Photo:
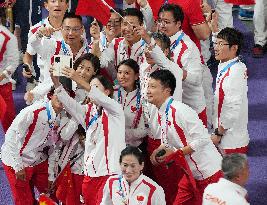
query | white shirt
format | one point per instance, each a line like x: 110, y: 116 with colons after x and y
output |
x: 105, y: 137
x: 135, y: 130
x: 185, y: 128
x: 143, y: 191
x: 224, y: 192
x: 27, y: 137
x: 9, y: 53
x: 118, y: 50
x: 231, y: 96
x: 187, y: 56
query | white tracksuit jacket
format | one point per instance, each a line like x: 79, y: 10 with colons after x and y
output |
x: 105, y: 137
x: 143, y: 191
x: 231, y: 105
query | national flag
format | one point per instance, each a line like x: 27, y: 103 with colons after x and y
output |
x: 95, y: 8
x: 45, y: 200
x: 64, y: 186
x: 241, y: 2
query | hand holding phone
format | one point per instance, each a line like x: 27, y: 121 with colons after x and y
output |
x: 60, y: 62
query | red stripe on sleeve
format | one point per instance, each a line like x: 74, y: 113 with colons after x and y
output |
x: 58, y: 48
x: 111, y: 181
x: 31, y: 128
x: 183, y: 49
x: 105, y: 129
x: 3, y: 49
x: 87, y: 117
x: 151, y: 192
x: 35, y: 29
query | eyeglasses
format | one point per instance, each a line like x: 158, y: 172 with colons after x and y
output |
x: 220, y: 44
x: 69, y: 29
x: 115, y: 23
x: 164, y: 22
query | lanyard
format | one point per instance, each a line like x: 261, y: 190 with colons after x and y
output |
x: 121, y: 192
x: 227, y: 67
x: 93, y: 120
x: 64, y: 47
x: 48, y: 112
x: 138, y: 96
x: 164, y: 131
x: 177, y: 41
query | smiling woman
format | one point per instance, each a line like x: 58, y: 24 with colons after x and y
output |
x: 143, y: 189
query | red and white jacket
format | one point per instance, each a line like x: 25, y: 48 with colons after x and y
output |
x: 118, y: 50
x: 27, y: 141
x: 135, y: 129
x: 9, y: 54
x: 143, y: 191
x: 231, y: 104
x: 224, y: 192
x: 105, y: 136
x: 187, y: 56
x: 185, y: 128
x: 47, y: 48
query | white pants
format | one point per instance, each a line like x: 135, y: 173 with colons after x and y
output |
x: 225, y: 16
x: 260, y: 22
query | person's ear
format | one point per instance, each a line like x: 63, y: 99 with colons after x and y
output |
x: 179, y: 24
x: 46, y: 6
x: 107, y: 92
x: 136, y: 76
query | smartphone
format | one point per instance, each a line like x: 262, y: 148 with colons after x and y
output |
x: 61, y: 61
x: 161, y: 153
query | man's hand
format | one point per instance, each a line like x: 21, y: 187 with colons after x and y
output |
x: 216, y: 139
x: 28, y: 73
x: 46, y: 31
x: 21, y: 175
x: 28, y: 97
x: 141, y: 31
x: 213, y: 22
x: 157, y: 160
x: 162, y: 158
x: 96, y: 49
x: 142, y: 3
x: 95, y: 30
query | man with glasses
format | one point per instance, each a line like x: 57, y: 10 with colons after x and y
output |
x: 186, y: 54
x: 230, y: 98
x: 73, y: 43
x: 56, y: 9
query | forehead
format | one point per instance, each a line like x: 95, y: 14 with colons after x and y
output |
x: 154, y: 82
x: 125, y: 68
x: 129, y: 159
x: 86, y: 63
x: 72, y: 22
x: 221, y: 40
x: 131, y: 19
x: 166, y: 15
x: 114, y: 16
x: 54, y: 1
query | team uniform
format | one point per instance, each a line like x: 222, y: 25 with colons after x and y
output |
x: 135, y: 130
x: 45, y: 79
x: 231, y: 106
x: 103, y: 143
x: 180, y: 127
x: 143, y: 191
x: 9, y: 60
x: 186, y: 54
x: 118, y: 50
x: 165, y: 177
x: 26, y: 145
x: 47, y: 48
x: 225, y: 192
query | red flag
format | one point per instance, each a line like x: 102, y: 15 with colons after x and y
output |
x: 64, y: 186
x: 241, y: 2
x: 155, y: 6
x: 45, y: 200
x: 179, y: 159
x: 95, y: 8
x: 2, y: 108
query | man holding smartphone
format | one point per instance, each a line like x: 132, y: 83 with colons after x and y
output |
x: 73, y: 42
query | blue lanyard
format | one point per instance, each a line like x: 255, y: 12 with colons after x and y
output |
x: 93, y: 120
x: 104, y: 41
x: 49, y: 115
x: 138, y: 100
x: 167, y: 111
x: 121, y: 190
x: 177, y: 41
x: 64, y: 47
x: 227, y: 67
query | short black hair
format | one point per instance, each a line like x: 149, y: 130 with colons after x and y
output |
x: 106, y: 83
x: 134, y: 12
x: 176, y: 10
x: 131, y: 63
x: 166, y: 78
x: 71, y: 15
x: 164, y: 40
x: 233, y: 37
x: 131, y: 150
x: 90, y: 57
x: 118, y: 10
